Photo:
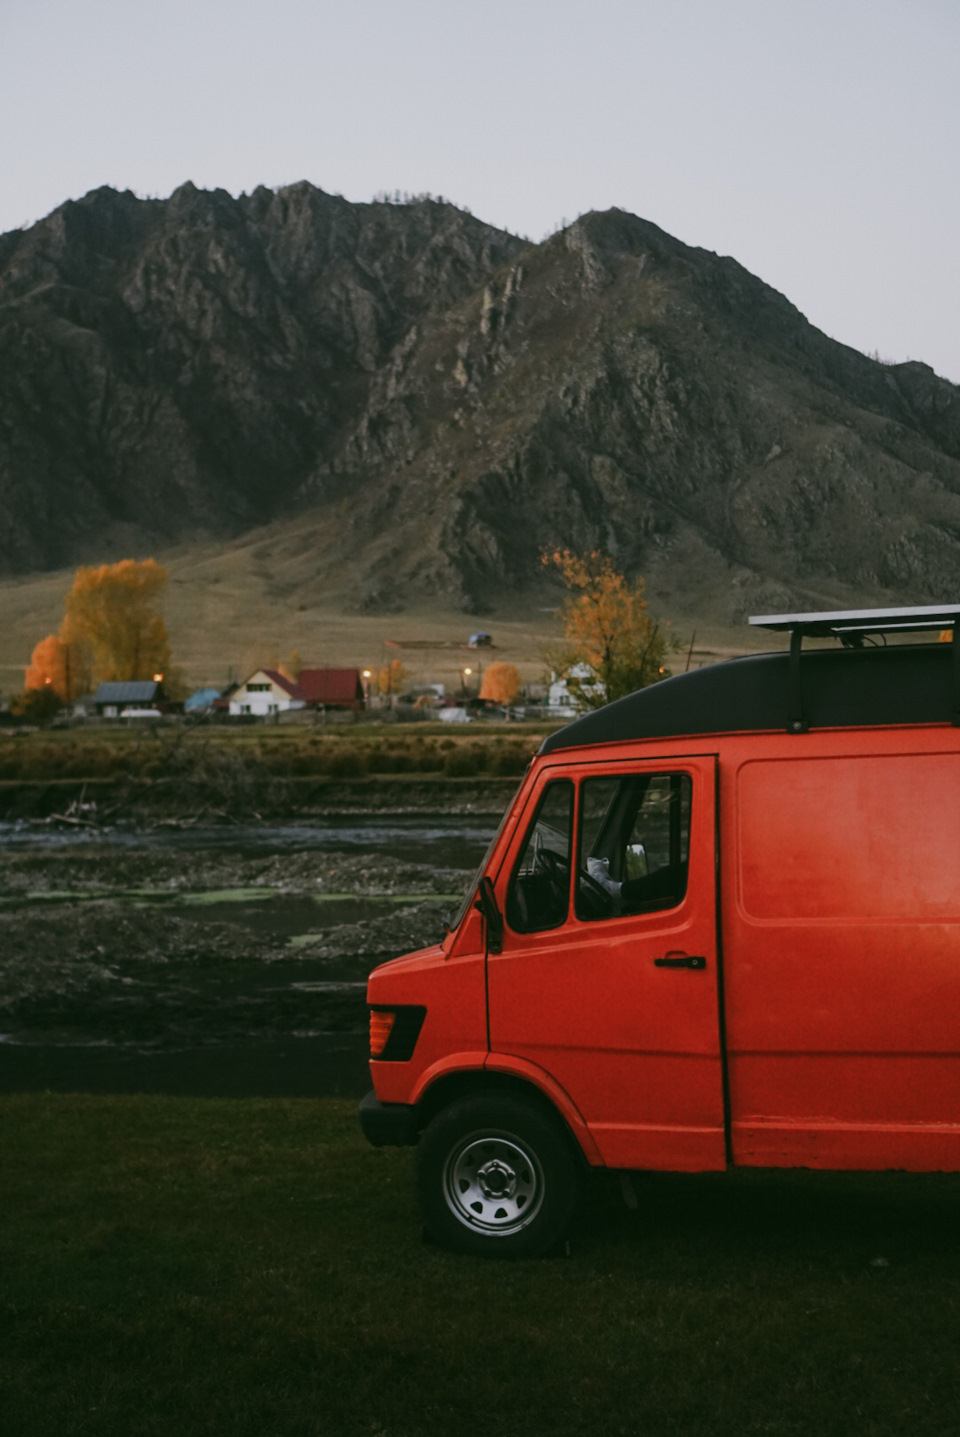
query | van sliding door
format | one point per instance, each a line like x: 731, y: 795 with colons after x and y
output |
x: 842, y: 956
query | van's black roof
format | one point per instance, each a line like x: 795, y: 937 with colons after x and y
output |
x: 842, y: 688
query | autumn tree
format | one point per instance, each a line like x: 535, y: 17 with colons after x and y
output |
x: 111, y: 630
x: 501, y: 684
x: 392, y: 677
x: 112, y: 610
x: 612, y: 645
x: 290, y: 667
x: 59, y: 667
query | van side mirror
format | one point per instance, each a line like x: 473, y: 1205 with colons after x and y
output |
x: 486, y: 904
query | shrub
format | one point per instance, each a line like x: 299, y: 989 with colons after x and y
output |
x: 463, y: 761
x: 387, y: 760
x: 36, y: 705
x: 509, y: 761
x: 429, y: 759
x: 345, y: 762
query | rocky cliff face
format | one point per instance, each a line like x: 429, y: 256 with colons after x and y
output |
x: 453, y: 401
x: 169, y: 367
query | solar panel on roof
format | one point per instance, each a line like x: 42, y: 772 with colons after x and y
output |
x: 912, y: 683
x: 862, y: 621
x: 899, y: 684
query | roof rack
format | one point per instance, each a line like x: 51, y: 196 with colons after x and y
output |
x: 851, y: 626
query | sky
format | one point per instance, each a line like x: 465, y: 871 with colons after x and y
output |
x: 815, y: 141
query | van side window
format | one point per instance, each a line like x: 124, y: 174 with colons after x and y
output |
x: 540, y: 887
x: 634, y: 843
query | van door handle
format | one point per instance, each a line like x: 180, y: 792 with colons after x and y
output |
x: 680, y: 960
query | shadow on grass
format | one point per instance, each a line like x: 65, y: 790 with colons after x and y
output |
x: 846, y: 1220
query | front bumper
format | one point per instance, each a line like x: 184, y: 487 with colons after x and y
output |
x: 387, y: 1124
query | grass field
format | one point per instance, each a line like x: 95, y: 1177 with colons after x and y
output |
x: 252, y: 1268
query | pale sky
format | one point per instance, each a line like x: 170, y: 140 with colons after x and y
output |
x: 815, y: 141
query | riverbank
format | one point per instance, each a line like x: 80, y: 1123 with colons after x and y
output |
x: 102, y: 774
x: 94, y: 802
x: 224, y: 959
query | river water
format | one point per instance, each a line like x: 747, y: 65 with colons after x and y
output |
x: 226, y: 961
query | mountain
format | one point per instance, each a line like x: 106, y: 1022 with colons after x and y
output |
x: 182, y: 366
x: 429, y: 402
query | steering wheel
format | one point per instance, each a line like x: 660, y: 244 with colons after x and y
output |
x: 592, y: 896
x: 552, y: 865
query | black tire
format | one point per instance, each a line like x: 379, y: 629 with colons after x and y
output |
x: 497, y: 1177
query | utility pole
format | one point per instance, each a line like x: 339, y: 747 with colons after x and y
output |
x: 690, y: 651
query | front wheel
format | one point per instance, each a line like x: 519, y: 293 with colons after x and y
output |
x: 496, y: 1177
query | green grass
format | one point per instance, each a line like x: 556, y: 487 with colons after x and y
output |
x: 177, y: 1266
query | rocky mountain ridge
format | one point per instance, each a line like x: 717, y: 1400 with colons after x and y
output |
x: 447, y: 401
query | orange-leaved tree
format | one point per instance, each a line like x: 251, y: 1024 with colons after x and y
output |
x: 501, y: 684
x: 59, y: 668
x: 111, y: 630
x: 612, y: 644
x: 291, y: 666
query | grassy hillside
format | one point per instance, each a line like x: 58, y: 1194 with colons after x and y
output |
x: 231, y: 607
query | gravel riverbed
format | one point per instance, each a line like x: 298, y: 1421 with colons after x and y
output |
x: 219, y: 962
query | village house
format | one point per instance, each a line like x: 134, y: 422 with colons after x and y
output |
x: 561, y: 703
x: 270, y: 692
x: 331, y: 688
x: 144, y: 695
x: 201, y: 701
x: 266, y: 692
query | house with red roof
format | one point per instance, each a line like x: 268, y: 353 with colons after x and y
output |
x: 266, y: 692
x: 331, y: 688
x: 270, y: 692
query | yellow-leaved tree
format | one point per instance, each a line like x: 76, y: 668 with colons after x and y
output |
x: 612, y: 645
x: 111, y: 630
x: 392, y: 678
x: 501, y: 684
x: 113, y: 609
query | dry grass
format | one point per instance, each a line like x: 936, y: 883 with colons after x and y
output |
x: 231, y: 607
x: 212, y: 757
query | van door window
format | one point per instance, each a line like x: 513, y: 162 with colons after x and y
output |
x: 634, y: 844
x: 540, y: 886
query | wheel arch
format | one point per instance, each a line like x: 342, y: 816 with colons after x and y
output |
x: 452, y: 1087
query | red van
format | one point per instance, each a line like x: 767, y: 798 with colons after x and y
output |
x: 718, y: 927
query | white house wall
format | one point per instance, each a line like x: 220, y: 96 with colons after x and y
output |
x: 263, y: 701
x: 263, y: 705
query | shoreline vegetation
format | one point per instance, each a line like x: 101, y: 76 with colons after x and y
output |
x: 89, y: 777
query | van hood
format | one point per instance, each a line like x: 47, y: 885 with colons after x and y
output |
x: 422, y: 958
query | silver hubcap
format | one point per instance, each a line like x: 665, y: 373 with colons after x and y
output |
x: 493, y: 1184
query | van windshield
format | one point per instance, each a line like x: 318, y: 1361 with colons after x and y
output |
x: 454, y: 923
